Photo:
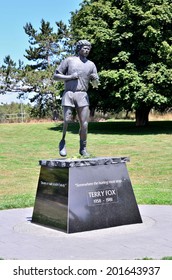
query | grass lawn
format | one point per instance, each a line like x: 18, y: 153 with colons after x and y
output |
x: 149, y: 149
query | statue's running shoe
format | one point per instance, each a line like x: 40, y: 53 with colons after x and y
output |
x: 62, y: 148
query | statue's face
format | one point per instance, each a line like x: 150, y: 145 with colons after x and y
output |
x: 84, y: 51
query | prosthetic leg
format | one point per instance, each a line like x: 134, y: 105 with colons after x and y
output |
x: 67, y: 115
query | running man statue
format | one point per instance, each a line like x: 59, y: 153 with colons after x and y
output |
x: 76, y: 72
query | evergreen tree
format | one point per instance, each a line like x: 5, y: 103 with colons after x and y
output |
x: 45, y: 44
x: 11, y: 76
x: 45, y: 51
x: 8, y: 72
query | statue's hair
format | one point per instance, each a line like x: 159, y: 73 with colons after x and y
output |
x: 82, y: 43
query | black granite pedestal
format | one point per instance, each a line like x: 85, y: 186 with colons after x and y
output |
x: 85, y: 194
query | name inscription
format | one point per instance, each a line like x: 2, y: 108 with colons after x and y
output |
x: 102, y: 197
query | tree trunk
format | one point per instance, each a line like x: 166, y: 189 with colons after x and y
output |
x: 142, y: 116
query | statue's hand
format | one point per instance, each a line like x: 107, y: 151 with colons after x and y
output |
x: 93, y: 76
x: 74, y: 76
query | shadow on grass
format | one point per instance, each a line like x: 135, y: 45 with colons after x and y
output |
x: 120, y: 127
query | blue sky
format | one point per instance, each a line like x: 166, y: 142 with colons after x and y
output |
x: 16, y: 13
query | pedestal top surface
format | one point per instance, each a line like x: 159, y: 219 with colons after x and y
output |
x: 67, y: 162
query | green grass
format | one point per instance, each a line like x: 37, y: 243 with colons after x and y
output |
x: 149, y: 149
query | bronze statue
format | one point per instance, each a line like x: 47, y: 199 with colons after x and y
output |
x: 76, y: 72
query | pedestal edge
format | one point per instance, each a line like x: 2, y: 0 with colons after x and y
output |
x: 83, y: 162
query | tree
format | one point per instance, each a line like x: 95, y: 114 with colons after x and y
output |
x: 132, y: 49
x: 8, y: 72
x: 45, y: 44
x: 10, y: 66
x: 46, y: 48
x: 11, y: 76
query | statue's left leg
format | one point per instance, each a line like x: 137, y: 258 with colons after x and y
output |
x: 83, y: 115
x: 67, y: 115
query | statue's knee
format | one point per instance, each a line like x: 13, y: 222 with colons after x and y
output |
x: 84, y: 125
x: 68, y: 119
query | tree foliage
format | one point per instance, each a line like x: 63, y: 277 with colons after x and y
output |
x: 45, y: 50
x: 11, y: 76
x: 45, y: 44
x: 132, y: 48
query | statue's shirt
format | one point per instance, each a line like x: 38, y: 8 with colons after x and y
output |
x: 74, y: 64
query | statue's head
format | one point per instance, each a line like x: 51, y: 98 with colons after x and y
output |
x: 82, y: 43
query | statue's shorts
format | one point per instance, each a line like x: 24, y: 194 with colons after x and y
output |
x: 75, y: 99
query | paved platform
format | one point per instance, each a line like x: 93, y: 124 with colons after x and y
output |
x: 22, y: 240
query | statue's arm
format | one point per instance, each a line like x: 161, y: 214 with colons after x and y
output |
x: 61, y: 73
x: 61, y: 77
x: 94, y: 74
x: 94, y: 78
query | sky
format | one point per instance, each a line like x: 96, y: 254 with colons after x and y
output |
x: 14, y: 14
